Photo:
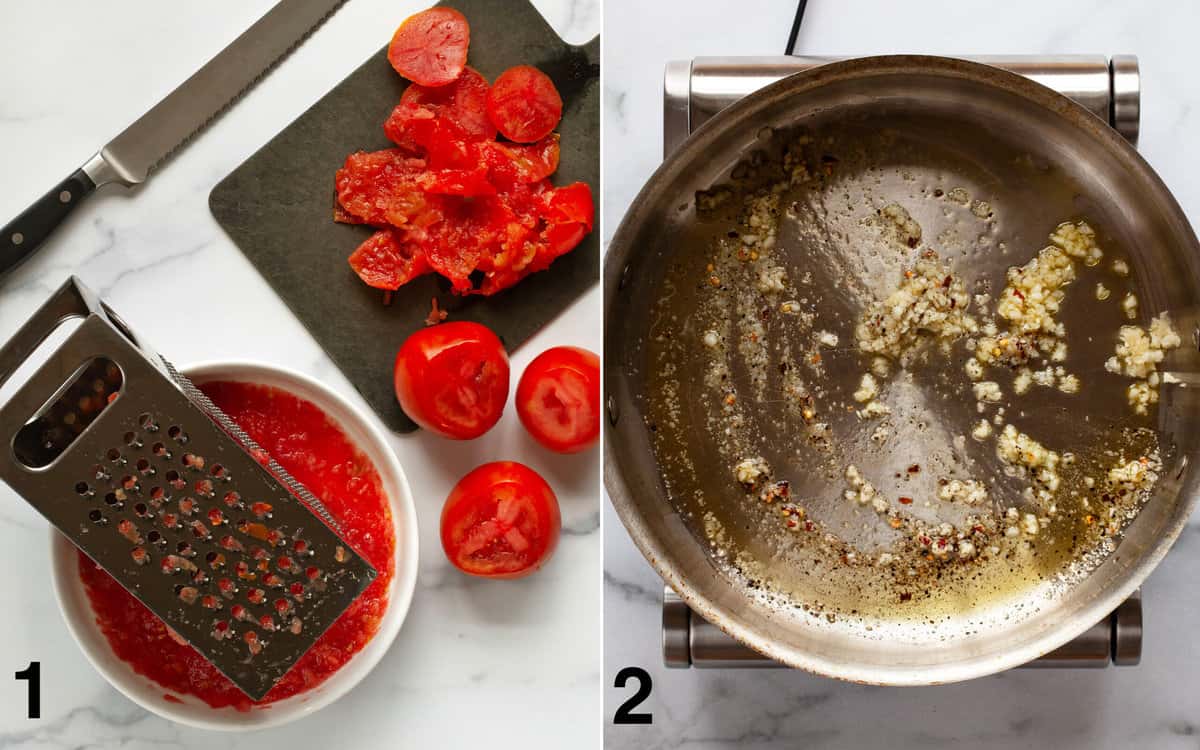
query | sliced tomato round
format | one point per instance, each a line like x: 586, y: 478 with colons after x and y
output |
x: 385, y: 261
x: 524, y: 104
x: 558, y: 399
x: 500, y: 521
x: 452, y: 379
x: 430, y: 47
x: 463, y: 102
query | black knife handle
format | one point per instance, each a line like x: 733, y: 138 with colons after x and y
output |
x: 22, y: 236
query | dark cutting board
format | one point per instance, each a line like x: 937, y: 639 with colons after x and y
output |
x: 277, y: 206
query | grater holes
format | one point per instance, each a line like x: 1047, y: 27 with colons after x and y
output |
x: 140, y: 555
x: 97, y: 518
x: 193, y: 461
x: 114, y: 456
x: 160, y: 451
x: 129, y: 483
x: 147, y: 423
x: 170, y: 520
x: 174, y: 480
x: 172, y: 564
x: 113, y: 501
x: 132, y: 440
x: 156, y: 538
x: 208, y: 601
x: 199, y: 577
x: 185, y: 549
x: 220, y: 472
x: 158, y: 496
x: 176, y: 433
x: 187, y: 506
x: 227, y: 587
x: 83, y: 489
x: 234, y: 500
x: 262, y: 510
x: 144, y: 468
x: 221, y: 630
x: 100, y: 473
x: 200, y: 531
x: 216, y: 517
x: 267, y: 623
x: 204, y: 487
x: 140, y: 510
x: 215, y: 560
x: 187, y: 594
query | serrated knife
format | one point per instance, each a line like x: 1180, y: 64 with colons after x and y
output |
x: 129, y: 158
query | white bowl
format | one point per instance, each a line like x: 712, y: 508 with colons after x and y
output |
x: 361, y: 430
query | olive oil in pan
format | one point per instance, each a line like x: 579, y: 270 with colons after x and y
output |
x: 888, y: 497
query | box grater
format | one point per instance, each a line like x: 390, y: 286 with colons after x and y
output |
x: 135, y: 465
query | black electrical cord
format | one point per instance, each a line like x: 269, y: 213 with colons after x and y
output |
x: 791, y: 43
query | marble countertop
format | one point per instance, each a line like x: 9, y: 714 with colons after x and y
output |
x: 473, y: 657
x: 1155, y: 705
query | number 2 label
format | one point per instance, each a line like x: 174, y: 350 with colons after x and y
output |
x: 625, y: 714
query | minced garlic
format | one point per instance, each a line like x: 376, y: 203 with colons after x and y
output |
x: 1120, y: 267
x: 1079, y: 241
x: 988, y: 390
x: 863, y: 492
x: 928, y: 300
x: 1130, y: 306
x: 969, y: 492
x: 982, y: 430
x: 1102, y: 292
x: 868, y: 389
x: 827, y: 338
x: 749, y: 471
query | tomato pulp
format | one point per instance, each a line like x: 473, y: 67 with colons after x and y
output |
x: 319, y: 455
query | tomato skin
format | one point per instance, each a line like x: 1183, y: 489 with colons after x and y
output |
x: 558, y: 399
x: 430, y: 47
x: 500, y: 521
x: 452, y: 379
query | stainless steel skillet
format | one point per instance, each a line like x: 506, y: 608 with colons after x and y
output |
x: 1038, y: 158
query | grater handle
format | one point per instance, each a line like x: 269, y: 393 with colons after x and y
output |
x: 72, y: 300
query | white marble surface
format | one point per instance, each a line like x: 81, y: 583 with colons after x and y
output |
x: 501, y: 664
x: 1156, y: 705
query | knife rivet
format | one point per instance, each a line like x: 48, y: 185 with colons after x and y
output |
x: 65, y: 196
x: 18, y: 238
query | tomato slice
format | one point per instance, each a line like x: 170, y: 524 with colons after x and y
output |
x: 512, y: 163
x: 571, y: 204
x: 452, y: 379
x: 385, y: 261
x: 500, y: 521
x: 380, y: 187
x: 524, y: 104
x: 463, y: 102
x: 465, y: 182
x: 430, y: 47
x: 558, y: 399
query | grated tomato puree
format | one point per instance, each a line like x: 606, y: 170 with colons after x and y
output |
x: 305, y: 442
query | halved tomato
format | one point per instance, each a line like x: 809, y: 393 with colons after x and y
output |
x: 558, y: 399
x: 500, y: 521
x: 452, y: 379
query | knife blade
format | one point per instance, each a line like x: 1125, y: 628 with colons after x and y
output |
x: 129, y: 158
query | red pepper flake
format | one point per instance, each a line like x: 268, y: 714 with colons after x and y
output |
x: 906, y: 501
